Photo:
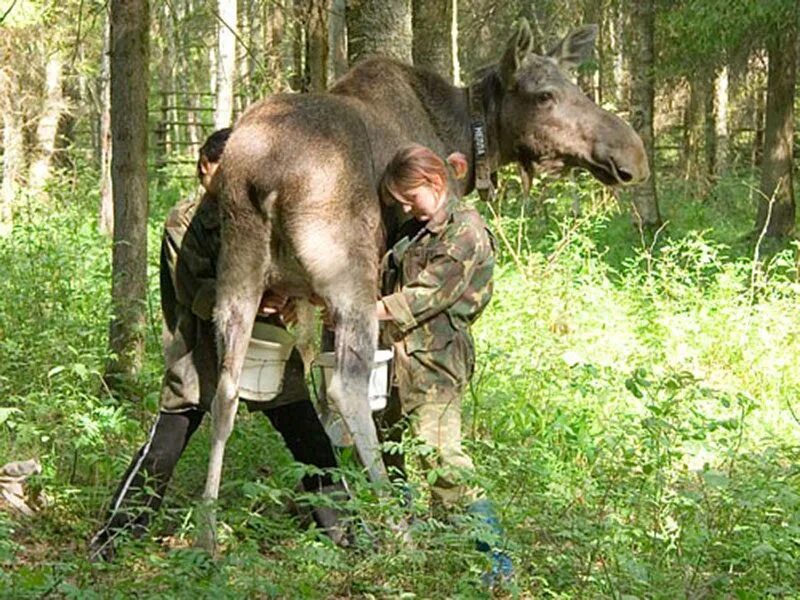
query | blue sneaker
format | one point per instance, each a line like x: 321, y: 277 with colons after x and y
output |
x: 502, y: 568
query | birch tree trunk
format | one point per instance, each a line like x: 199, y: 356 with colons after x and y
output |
x: 226, y: 63
x: 776, y: 208
x: 642, y: 64
x: 616, y: 25
x: 106, y: 221
x: 379, y: 27
x: 47, y: 128
x: 433, y: 36
x: 13, y: 151
x: 130, y: 29
x: 721, y: 121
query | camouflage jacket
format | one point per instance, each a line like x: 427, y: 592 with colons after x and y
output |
x: 443, y: 283
x: 189, y: 251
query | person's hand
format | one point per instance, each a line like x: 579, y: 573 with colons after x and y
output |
x: 271, y: 303
x: 289, y: 312
x: 382, y: 312
x: 327, y: 317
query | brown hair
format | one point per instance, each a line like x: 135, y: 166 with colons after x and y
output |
x: 412, y: 167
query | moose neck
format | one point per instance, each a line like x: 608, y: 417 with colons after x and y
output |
x: 453, y: 119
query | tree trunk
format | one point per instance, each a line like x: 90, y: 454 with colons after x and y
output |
x: 589, y: 81
x: 298, y: 46
x: 186, y: 88
x: 106, y: 221
x: 454, y: 49
x: 47, y: 128
x: 433, y: 36
x: 379, y: 27
x: 168, y: 117
x: 241, y: 99
x: 337, y: 39
x: 616, y: 26
x: 721, y: 122
x: 279, y: 59
x: 642, y: 64
x: 130, y: 29
x: 692, y: 122
x: 256, y: 55
x: 226, y: 63
x: 776, y: 209
x: 709, y: 125
x: 316, y: 21
x: 757, y: 151
x: 13, y: 151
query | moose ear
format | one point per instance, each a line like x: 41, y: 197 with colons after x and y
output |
x: 575, y: 48
x: 519, y: 46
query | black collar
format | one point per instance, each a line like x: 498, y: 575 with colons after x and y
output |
x: 480, y: 145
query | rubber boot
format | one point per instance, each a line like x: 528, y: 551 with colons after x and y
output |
x: 502, y: 569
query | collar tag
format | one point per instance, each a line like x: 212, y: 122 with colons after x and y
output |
x: 483, y: 172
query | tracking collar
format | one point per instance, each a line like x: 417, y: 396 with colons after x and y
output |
x: 480, y: 145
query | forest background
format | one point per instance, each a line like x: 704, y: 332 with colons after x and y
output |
x: 635, y: 408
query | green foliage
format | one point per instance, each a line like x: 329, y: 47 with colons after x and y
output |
x: 705, y: 32
x: 632, y: 415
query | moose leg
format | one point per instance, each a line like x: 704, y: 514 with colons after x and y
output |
x: 234, y: 324
x: 356, y: 341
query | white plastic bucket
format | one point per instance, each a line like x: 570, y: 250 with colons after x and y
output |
x: 264, y: 362
x: 378, y: 378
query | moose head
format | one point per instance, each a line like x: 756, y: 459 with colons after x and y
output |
x: 543, y: 120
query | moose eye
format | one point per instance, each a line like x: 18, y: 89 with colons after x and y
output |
x: 544, y: 97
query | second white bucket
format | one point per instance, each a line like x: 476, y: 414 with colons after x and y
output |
x: 378, y: 378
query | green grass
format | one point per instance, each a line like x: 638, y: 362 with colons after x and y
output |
x: 633, y: 414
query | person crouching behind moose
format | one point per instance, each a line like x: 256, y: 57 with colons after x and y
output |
x: 190, y: 246
x: 437, y: 281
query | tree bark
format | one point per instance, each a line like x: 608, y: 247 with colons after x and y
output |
x: 298, y: 46
x: 47, y: 128
x: 254, y: 56
x: 642, y: 63
x: 721, y: 121
x: 709, y: 125
x: 316, y: 22
x: 337, y: 39
x: 616, y: 26
x: 379, y: 27
x: 226, y: 63
x: 106, y: 221
x: 433, y: 36
x: 130, y: 28
x: 776, y: 208
x: 13, y: 150
x: 692, y: 124
x: 280, y: 60
x: 757, y: 151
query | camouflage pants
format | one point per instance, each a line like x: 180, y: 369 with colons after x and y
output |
x: 438, y: 426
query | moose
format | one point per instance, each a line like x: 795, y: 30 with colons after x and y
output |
x: 300, y: 210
